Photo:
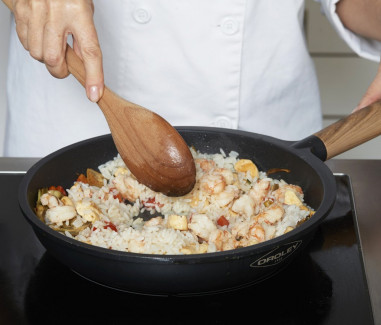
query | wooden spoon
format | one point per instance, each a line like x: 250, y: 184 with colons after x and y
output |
x: 152, y: 149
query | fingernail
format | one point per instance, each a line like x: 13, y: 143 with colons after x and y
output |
x: 94, y: 94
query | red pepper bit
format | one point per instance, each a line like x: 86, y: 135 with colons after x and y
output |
x: 118, y: 196
x: 94, y: 228
x: 111, y: 226
x: 222, y: 221
x: 58, y: 188
x: 82, y: 178
x: 152, y: 200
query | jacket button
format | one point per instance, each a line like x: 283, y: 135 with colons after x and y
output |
x: 229, y: 26
x: 142, y: 16
x: 223, y: 122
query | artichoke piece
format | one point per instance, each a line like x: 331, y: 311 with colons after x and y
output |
x: 56, y: 193
x: 94, y: 178
x: 40, y: 193
x: 74, y: 231
x: 40, y: 212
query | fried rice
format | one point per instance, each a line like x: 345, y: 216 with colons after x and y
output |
x: 232, y: 205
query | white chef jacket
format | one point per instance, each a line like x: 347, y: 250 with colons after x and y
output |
x: 224, y: 63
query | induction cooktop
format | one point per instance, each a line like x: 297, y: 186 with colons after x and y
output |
x: 325, y: 285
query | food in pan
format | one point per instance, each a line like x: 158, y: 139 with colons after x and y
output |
x: 232, y: 205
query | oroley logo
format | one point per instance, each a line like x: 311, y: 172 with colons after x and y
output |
x: 277, y: 255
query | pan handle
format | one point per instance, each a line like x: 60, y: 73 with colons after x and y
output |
x: 351, y: 131
x: 345, y: 134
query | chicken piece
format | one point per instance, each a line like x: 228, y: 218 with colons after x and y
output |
x: 60, y: 214
x: 177, y: 222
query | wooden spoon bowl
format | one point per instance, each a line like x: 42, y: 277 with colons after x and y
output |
x: 152, y: 149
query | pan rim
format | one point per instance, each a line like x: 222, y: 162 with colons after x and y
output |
x: 308, y: 226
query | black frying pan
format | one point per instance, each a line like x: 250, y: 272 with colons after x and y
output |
x: 212, y: 272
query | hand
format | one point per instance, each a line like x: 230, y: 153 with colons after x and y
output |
x: 43, y: 27
x: 373, y: 92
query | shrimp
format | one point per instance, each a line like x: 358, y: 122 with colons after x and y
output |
x: 50, y: 200
x: 59, y: 214
x: 222, y: 239
x: 271, y: 215
x: 201, y: 226
x: 226, y: 174
x: 248, y: 233
x: 240, y: 230
x: 226, y: 197
x: 127, y: 186
x: 244, y: 205
x: 259, y: 191
x: 205, y: 164
x: 212, y: 184
x: 257, y: 232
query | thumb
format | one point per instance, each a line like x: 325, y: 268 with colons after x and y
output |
x: 373, y: 92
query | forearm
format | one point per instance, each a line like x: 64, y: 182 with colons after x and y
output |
x: 362, y: 17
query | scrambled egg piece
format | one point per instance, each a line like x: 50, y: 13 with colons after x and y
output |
x: 245, y: 165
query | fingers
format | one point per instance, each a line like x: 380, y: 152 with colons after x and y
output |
x: 21, y: 13
x: 43, y: 26
x: 372, y: 94
x: 37, y: 16
x: 87, y: 47
x: 54, y: 46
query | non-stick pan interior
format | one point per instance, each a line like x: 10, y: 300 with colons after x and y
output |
x: 63, y: 166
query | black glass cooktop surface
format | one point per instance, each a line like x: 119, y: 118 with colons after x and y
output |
x: 325, y: 285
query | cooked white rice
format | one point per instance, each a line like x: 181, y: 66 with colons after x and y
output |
x: 230, y: 206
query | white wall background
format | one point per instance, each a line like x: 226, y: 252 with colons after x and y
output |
x: 4, y: 37
x: 343, y: 77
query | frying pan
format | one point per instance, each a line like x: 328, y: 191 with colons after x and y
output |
x: 211, y: 272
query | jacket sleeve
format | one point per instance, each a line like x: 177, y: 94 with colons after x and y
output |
x: 364, y: 47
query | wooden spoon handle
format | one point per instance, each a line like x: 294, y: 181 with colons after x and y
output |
x: 75, y: 65
x: 8, y: 3
x: 352, y: 130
